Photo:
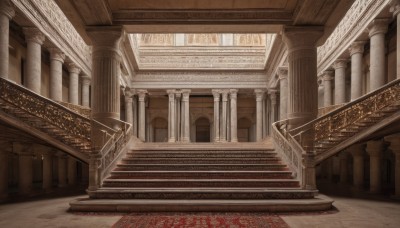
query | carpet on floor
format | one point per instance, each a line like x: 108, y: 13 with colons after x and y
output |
x: 200, y: 220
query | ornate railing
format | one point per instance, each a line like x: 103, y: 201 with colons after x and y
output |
x: 49, y: 111
x: 324, y: 110
x: 82, y: 110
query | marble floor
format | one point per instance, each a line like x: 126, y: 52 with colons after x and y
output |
x: 351, y: 212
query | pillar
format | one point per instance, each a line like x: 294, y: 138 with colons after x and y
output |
x: 343, y: 167
x: 357, y: 151
x: 375, y: 151
x: 259, y: 99
x: 85, y: 90
x: 6, y: 14
x: 6, y: 148
x: 186, y: 119
x: 47, y: 170
x: 274, y: 106
x: 128, y: 106
x: 395, y: 9
x: 302, y: 84
x: 57, y: 58
x: 62, y: 170
x: 224, y: 115
x: 73, y: 90
x: 283, y: 96
x: 106, y: 57
x: 71, y: 171
x: 327, y: 80
x: 395, y: 148
x: 171, y: 115
x: 320, y: 94
x: 356, y: 52
x: 233, y: 112
x: 142, y: 115
x: 216, y: 94
x: 340, y: 80
x: 178, y: 116
x: 25, y: 164
x: 34, y: 38
x: 377, y: 30
x: 135, y: 115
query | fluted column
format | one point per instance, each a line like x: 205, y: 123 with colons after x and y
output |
x: 142, y: 114
x: 106, y: 57
x: 171, y: 115
x: 340, y: 80
x: 356, y: 52
x: 375, y: 151
x: 224, y: 115
x: 6, y: 14
x: 57, y: 58
x: 34, y: 38
x: 377, y: 31
x: 62, y: 170
x: 5, y: 149
x: 283, y: 96
x: 85, y: 90
x: 186, y: 119
x: 216, y: 94
x: 128, y: 106
x: 25, y: 164
x: 395, y: 9
x: 327, y: 80
x: 302, y: 86
x: 71, y: 171
x: 357, y: 151
x: 47, y: 170
x: 259, y: 99
x: 73, y: 89
x: 343, y: 167
x: 233, y: 112
x: 395, y: 148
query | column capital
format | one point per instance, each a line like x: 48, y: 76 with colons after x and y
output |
x: 225, y: 95
x: 282, y: 72
x: 309, y: 36
x: 216, y: 93
x: 378, y: 26
x: 178, y: 94
x: 395, y: 7
x: 128, y: 92
x: 34, y: 35
x: 374, y: 148
x: 328, y: 75
x: 106, y: 36
x: 259, y: 94
x: 233, y: 93
x: 357, y: 47
x: 7, y: 8
x: 186, y: 94
x: 273, y: 95
x: 85, y: 79
x: 73, y: 68
x: 340, y: 63
x: 56, y: 54
x: 141, y: 94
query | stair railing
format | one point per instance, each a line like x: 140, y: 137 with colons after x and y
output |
x: 82, y: 110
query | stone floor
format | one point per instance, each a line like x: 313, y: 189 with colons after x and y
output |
x: 351, y: 212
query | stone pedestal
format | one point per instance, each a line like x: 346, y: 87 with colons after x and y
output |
x: 377, y: 31
x: 395, y: 148
x: 356, y: 52
x: 283, y: 95
x: 216, y: 94
x: 6, y: 13
x: 259, y: 99
x: 171, y: 116
x: 358, y: 166
x: 85, y: 90
x: 340, y: 80
x: 25, y: 164
x: 327, y: 80
x: 57, y: 58
x: 73, y: 91
x: 302, y: 74
x: 47, y: 170
x: 142, y: 115
x: 62, y: 170
x: 233, y: 112
x: 186, y: 119
x: 34, y: 38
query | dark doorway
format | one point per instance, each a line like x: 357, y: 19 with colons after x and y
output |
x: 202, y: 130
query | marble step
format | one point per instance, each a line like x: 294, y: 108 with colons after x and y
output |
x: 188, y: 167
x: 200, y: 154
x: 195, y: 183
x: 200, y: 174
x: 201, y: 193
x: 261, y: 160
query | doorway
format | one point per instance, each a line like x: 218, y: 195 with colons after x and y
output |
x: 202, y: 130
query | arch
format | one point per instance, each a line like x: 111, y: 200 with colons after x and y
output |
x: 203, y: 127
x: 160, y: 129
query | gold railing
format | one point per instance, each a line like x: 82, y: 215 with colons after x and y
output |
x: 82, y: 110
x: 49, y: 111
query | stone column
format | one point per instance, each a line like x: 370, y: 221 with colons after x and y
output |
x: 224, y: 115
x: 340, y: 80
x: 395, y: 9
x: 302, y: 73
x: 320, y: 94
x: 47, y: 170
x: 6, y: 147
x: 128, y: 106
x: 343, y: 167
x: 142, y: 115
x: 259, y: 99
x: 73, y: 90
x: 375, y: 151
x: 186, y: 119
x: 171, y: 115
x: 85, y: 90
x: 178, y: 116
x: 71, y: 171
x: 274, y: 109
x: 216, y: 94
x: 6, y: 13
x: 135, y: 115
x: 327, y: 79
x: 356, y: 52
x: 25, y: 165
x: 395, y: 148
x: 357, y: 151
x: 106, y: 57
x: 283, y: 96
x: 62, y: 170
x: 377, y: 30
x: 34, y: 38
x: 57, y: 58
x: 233, y: 96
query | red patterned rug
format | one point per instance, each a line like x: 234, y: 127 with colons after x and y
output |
x: 200, y: 220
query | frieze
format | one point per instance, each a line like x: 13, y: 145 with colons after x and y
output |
x: 200, y: 76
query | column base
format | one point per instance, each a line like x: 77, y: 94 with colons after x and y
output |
x: 171, y: 140
x: 185, y: 140
x: 234, y: 140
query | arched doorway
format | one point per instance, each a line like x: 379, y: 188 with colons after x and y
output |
x: 244, y: 130
x: 202, y: 130
x: 160, y: 126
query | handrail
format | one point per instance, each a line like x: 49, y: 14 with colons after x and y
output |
x: 324, y: 110
x: 82, y: 110
x: 48, y: 110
